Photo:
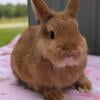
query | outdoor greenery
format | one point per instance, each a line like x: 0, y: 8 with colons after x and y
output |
x: 6, y: 35
x: 10, y: 27
x: 13, y: 21
x: 10, y: 10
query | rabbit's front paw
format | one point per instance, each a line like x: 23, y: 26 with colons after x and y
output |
x: 83, y: 85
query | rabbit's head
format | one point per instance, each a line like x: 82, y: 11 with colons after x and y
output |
x: 59, y: 39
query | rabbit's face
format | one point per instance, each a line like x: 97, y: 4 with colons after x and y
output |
x: 59, y: 39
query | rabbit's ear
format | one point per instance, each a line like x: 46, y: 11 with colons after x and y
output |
x: 41, y: 10
x: 72, y: 8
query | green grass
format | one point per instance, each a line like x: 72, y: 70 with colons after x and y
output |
x: 6, y: 35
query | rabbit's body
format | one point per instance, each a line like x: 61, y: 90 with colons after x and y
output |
x: 47, y: 60
x: 35, y: 70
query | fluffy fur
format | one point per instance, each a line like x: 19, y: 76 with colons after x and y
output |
x: 47, y: 63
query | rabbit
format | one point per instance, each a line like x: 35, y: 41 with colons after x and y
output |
x: 51, y: 56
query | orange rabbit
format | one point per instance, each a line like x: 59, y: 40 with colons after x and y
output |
x: 52, y: 56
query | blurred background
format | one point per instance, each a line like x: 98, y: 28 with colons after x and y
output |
x: 13, y: 19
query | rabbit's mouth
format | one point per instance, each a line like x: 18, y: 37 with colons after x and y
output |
x: 69, y: 58
x: 68, y: 61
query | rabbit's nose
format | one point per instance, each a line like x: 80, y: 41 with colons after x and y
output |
x: 71, y: 50
x: 69, y: 53
x: 72, y: 53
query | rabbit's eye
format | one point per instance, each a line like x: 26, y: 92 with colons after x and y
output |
x: 52, y: 35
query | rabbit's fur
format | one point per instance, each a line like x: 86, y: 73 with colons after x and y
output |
x: 52, y: 56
